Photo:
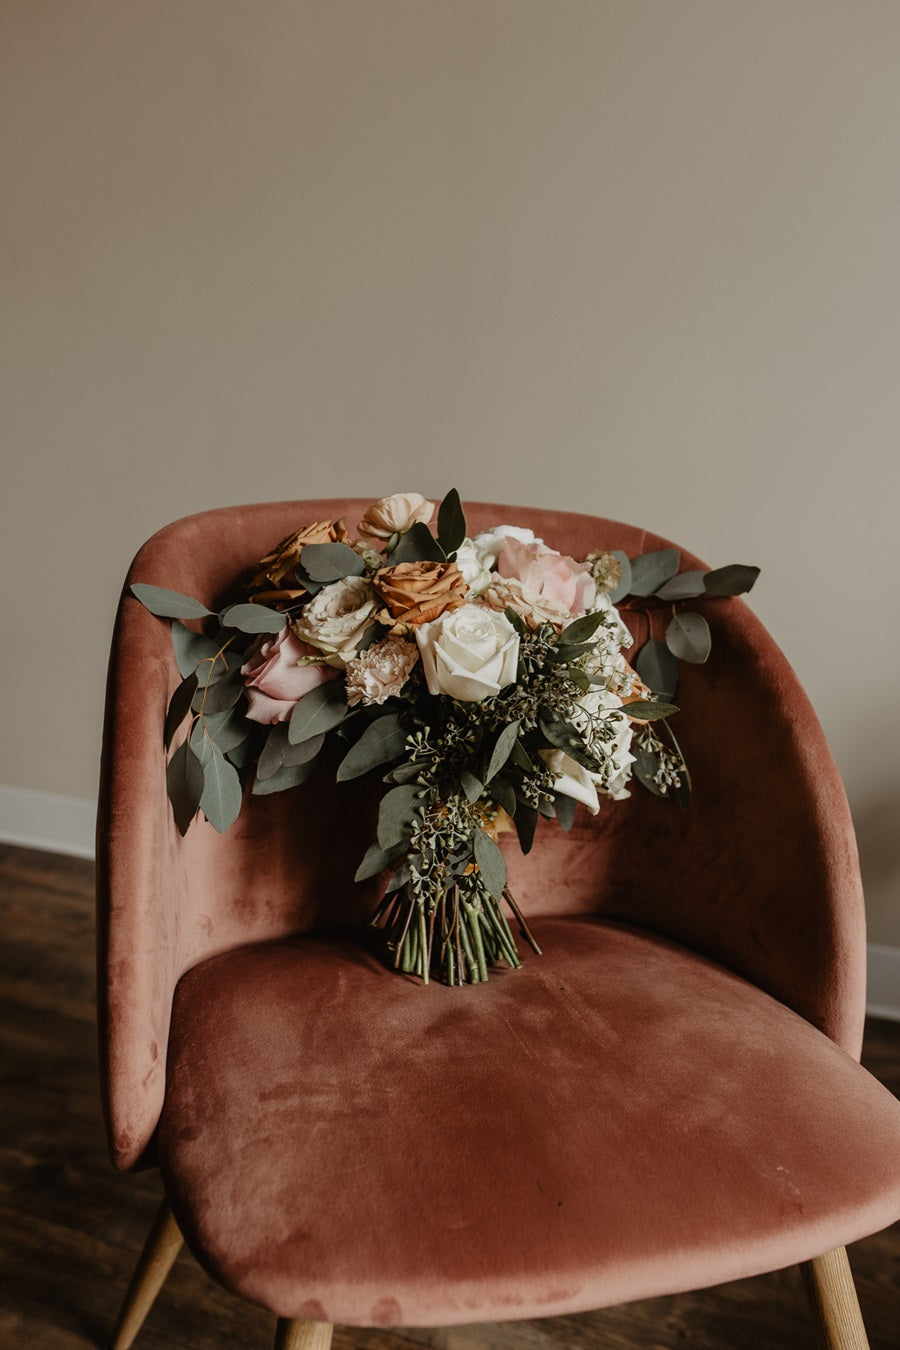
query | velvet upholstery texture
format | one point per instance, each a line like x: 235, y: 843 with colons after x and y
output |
x: 619, y: 1119
x: 668, y: 1097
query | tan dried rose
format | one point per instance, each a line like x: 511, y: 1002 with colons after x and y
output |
x: 510, y: 593
x: 417, y: 592
x: 267, y: 583
x: 394, y: 515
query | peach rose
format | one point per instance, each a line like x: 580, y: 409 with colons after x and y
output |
x: 414, y: 593
x: 278, y: 565
x: 274, y: 681
x: 549, y: 574
x: 507, y: 593
x: 395, y: 515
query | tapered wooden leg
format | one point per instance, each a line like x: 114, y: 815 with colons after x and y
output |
x: 296, y: 1335
x: 155, y: 1261
x: 832, y: 1296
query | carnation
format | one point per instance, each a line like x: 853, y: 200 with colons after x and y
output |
x: 509, y: 593
x: 381, y: 671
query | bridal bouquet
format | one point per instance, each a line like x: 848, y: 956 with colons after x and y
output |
x: 484, y: 680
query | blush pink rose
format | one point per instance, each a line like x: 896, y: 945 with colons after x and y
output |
x: 549, y: 574
x: 274, y: 682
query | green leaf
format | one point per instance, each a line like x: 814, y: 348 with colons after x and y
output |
x: 517, y: 621
x: 646, y: 710
x: 646, y: 764
x: 451, y: 522
x: 319, y: 710
x: 179, y: 707
x: 417, y: 544
x: 658, y: 668
x: 191, y: 648
x: 732, y: 579
x: 502, y: 750
x: 239, y: 754
x: 520, y: 757
x: 624, y: 587
x: 395, y: 814
x: 326, y: 563
x: 221, y: 695
x: 382, y: 741
x: 304, y: 751
x: 650, y: 570
x: 688, y: 638
x: 471, y: 785
x: 491, y: 864
x: 563, y: 736
x: 525, y: 821
x: 503, y: 794
x: 579, y: 630
x: 168, y: 604
x: 184, y: 784
x: 565, y: 811
x: 581, y: 679
x: 374, y: 861
x: 221, y: 800
x: 227, y: 728
x: 271, y: 756
x: 288, y: 776
x: 684, y: 586
x: 253, y: 619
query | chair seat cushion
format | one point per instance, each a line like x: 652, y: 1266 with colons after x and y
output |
x: 619, y: 1119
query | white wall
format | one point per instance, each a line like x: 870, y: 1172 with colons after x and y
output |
x: 640, y: 258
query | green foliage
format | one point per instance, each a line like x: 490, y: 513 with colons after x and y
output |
x: 451, y: 523
x: 382, y: 741
x: 326, y: 563
x: 688, y: 638
x: 253, y: 619
x: 319, y: 710
x: 652, y: 570
x: 168, y: 604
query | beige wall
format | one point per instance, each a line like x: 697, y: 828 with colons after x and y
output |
x: 636, y: 257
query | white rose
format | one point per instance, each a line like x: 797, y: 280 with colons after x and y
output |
x: 470, y: 562
x: 395, y: 515
x: 572, y: 779
x: 489, y: 543
x: 336, y: 619
x: 469, y: 653
x: 601, y: 710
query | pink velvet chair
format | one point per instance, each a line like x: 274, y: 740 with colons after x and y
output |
x: 669, y: 1098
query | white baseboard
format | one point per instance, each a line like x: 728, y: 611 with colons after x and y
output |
x: 58, y: 824
x: 47, y: 821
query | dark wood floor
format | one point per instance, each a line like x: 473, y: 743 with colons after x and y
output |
x: 70, y: 1227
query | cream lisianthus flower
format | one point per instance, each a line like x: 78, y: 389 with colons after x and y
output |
x: 475, y: 570
x: 470, y: 653
x: 394, y: 515
x: 336, y: 619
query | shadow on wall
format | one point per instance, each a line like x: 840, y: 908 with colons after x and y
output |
x: 877, y: 823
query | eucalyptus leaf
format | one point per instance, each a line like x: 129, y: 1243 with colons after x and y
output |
x: 517, y: 621
x: 319, y: 710
x: 376, y: 859
x: 565, y: 811
x: 732, y: 579
x: 579, y: 630
x: 520, y: 757
x: 491, y: 864
x: 168, y: 604
x: 503, y: 794
x: 525, y: 821
x: 502, y: 750
x: 305, y: 751
x: 271, y: 756
x: 581, y: 679
x: 288, y: 776
x: 417, y: 544
x: 688, y: 638
x: 399, y: 877
x: 239, y: 754
x: 193, y: 648
x: 651, y: 570
x: 304, y: 579
x: 451, y: 522
x: 253, y: 619
x: 221, y: 800
x: 179, y: 707
x: 222, y: 695
x: 563, y: 736
x: 646, y: 765
x: 382, y: 741
x: 658, y: 668
x: 624, y: 587
x: 226, y: 728
x: 184, y: 784
x: 648, y: 710
x: 395, y: 814
x: 684, y: 586
x: 471, y: 785
x: 326, y: 563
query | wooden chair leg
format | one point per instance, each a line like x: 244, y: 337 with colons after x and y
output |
x: 293, y: 1334
x: 835, y: 1307
x: 156, y: 1260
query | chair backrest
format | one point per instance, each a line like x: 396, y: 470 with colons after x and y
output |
x: 760, y: 873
